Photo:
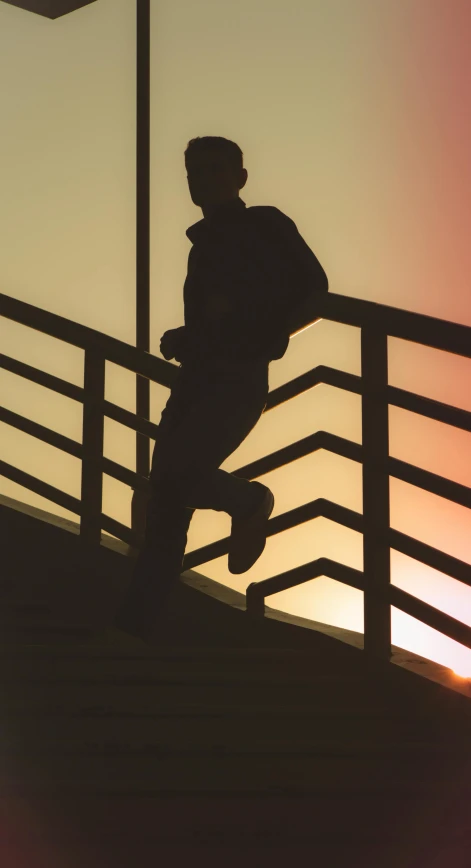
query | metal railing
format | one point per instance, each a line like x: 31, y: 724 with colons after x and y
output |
x: 376, y: 323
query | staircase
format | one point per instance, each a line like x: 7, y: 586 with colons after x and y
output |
x: 122, y: 749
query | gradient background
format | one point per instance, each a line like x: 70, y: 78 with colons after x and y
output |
x: 354, y: 119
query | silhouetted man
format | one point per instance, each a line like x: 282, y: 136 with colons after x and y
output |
x: 249, y: 274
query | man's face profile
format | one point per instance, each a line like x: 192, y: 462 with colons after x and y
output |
x: 211, y: 179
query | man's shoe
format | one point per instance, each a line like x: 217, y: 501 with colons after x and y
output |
x: 249, y: 534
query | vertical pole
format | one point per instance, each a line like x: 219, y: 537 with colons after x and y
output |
x: 142, y: 247
x: 92, y: 448
x: 375, y: 436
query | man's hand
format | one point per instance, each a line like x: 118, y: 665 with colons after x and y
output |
x: 172, y: 344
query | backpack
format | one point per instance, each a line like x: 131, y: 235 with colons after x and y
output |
x: 296, y: 275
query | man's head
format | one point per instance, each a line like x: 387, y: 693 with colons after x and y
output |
x: 215, y: 171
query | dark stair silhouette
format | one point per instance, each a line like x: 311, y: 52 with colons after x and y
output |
x: 126, y: 749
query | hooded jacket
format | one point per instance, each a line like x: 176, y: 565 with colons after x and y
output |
x: 248, y: 270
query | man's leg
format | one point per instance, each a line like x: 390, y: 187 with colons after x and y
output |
x: 217, y: 418
x: 158, y: 564
x: 203, y: 425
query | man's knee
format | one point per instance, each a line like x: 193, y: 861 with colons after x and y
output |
x: 170, y: 486
x: 165, y: 512
x: 161, y: 476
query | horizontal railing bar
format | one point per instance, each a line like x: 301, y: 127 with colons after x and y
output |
x: 130, y: 420
x: 432, y: 409
x: 257, y: 592
x: 298, y: 449
x: 124, y: 475
x: 120, y: 353
x: 71, y: 447
x: 323, y: 374
x: 304, y: 573
x: 407, y: 325
x: 47, y: 435
x: 341, y: 515
x: 341, y: 446
x: 340, y: 379
x: 49, y: 381
x: 317, y: 376
x: 397, y: 323
x: 55, y: 495
x: 320, y: 375
x: 431, y: 482
x: 70, y: 390
x: 204, y: 554
x: 319, y: 508
x: 73, y: 504
x: 348, y: 518
x: 427, y: 614
x: 41, y: 432
x: 293, y: 388
x: 438, y: 560
x: 119, y: 530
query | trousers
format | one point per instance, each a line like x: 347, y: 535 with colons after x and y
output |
x: 207, y: 416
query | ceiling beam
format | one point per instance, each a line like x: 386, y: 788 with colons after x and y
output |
x: 50, y: 8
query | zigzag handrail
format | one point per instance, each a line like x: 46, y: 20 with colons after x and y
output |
x: 377, y: 322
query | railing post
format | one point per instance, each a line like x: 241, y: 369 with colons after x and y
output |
x: 92, y: 444
x: 375, y: 437
x: 254, y: 601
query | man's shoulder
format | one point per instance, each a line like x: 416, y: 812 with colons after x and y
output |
x: 270, y: 216
x: 268, y: 211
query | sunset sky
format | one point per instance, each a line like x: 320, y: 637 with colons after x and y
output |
x: 354, y: 119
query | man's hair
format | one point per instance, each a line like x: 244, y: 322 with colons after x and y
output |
x: 232, y: 151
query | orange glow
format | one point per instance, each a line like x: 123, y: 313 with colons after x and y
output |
x: 461, y: 674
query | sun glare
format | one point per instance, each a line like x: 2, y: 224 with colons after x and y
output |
x: 462, y: 674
